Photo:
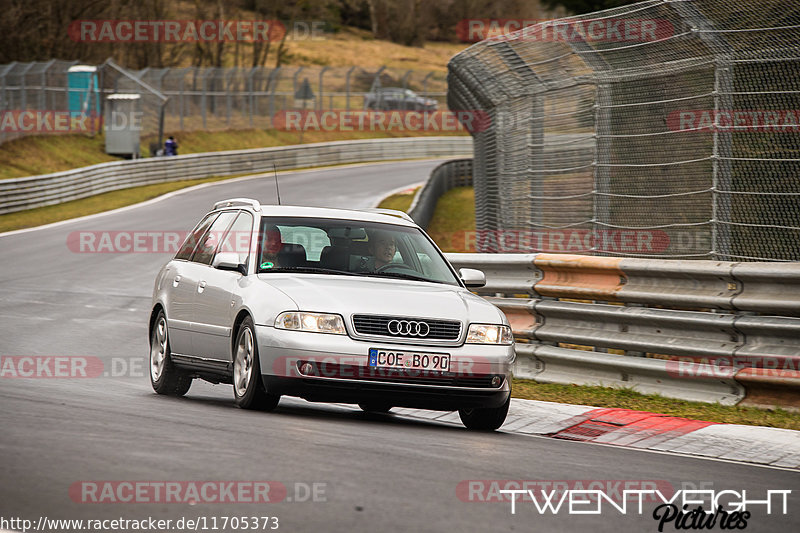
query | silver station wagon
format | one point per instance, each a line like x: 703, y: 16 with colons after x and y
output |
x: 330, y: 305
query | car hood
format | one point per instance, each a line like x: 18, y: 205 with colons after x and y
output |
x: 347, y: 295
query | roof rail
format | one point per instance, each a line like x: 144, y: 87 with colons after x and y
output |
x: 238, y: 202
x: 392, y: 212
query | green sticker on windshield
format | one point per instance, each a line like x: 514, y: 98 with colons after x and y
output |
x: 267, y: 265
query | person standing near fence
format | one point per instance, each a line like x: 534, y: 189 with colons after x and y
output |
x: 171, y: 146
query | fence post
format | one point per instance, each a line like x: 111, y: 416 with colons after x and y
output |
x: 251, y: 97
x: 181, y: 85
x: 376, y: 80
x: 722, y: 150
x: 272, y: 84
x: 721, y: 165
x: 319, y: 100
x: 405, y: 86
x: 227, y: 83
x: 425, y: 84
x: 209, y: 71
x: 294, y: 80
x: 23, y: 86
x: 347, y: 87
x: 162, y: 112
x: 3, y: 100
x: 42, y: 89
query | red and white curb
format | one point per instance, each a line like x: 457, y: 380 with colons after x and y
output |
x: 643, y: 430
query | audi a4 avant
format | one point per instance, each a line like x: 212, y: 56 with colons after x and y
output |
x: 330, y: 305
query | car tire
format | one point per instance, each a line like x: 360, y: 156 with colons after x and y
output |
x: 248, y: 387
x: 375, y: 407
x: 485, y: 419
x: 165, y: 377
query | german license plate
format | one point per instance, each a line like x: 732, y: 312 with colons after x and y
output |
x: 411, y: 360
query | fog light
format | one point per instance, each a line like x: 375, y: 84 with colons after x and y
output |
x: 496, y: 380
x: 307, y: 369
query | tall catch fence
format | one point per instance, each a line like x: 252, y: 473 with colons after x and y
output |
x: 667, y: 128
x: 204, y: 98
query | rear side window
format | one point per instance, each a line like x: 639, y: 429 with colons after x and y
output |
x: 188, y: 246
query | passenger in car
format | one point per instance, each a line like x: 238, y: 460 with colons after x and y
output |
x: 270, y: 247
x: 277, y: 254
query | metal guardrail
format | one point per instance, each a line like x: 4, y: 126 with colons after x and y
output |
x: 701, y: 330
x: 36, y: 191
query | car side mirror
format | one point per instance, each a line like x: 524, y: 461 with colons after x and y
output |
x: 229, y: 261
x: 472, y: 277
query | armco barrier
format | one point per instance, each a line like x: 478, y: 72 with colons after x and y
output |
x: 450, y: 174
x: 770, y: 388
x: 580, y: 276
x: 697, y: 330
x: 36, y: 191
x: 506, y: 273
x: 769, y: 288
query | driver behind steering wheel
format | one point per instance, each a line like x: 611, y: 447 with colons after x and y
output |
x: 382, y: 248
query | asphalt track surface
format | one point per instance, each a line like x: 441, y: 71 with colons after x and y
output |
x: 374, y: 472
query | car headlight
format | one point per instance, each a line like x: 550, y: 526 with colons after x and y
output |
x: 315, y: 322
x: 489, y: 334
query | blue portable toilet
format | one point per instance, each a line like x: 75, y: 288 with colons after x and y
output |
x: 83, y: 90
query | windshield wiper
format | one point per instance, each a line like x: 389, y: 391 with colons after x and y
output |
x: 401, y: 276
x: 309, y: 270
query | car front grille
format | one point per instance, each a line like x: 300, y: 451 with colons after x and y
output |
x: 407, y: 327
x: 398, y: 375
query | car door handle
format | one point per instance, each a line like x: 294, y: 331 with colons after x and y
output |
x: 201, y: 286
x: 176, y: 281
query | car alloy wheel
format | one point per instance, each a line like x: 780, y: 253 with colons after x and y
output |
x: 158, y: 349
x: 248, y: 387
x: 243, y: 362
x: 164, y: 376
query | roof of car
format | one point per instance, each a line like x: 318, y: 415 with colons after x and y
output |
x: 367, y: 215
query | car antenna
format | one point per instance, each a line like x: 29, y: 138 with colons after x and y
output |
x: 278, y: 189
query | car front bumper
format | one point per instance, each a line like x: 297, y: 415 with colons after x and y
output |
x: 339, y: 371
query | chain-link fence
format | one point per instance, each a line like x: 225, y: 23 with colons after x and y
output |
x: 664, y: 128
x: 204, y: 98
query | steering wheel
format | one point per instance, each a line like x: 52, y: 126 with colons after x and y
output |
x: 398, y: 266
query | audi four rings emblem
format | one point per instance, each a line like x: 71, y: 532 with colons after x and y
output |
x: 408, y: 327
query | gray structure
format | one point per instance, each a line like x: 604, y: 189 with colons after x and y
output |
x: 123, y: 126
x: 667, y: 128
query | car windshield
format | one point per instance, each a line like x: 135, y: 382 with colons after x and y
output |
x: 348, y: 247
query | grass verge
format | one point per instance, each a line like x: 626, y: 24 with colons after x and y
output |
x: 455, y: 218
x: 630, y: 399
x: 400, y: 201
